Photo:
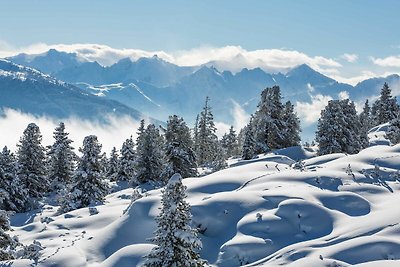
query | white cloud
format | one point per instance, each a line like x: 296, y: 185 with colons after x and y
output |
x: 112, y: 134
x: 241, y: 118
x: 391, y: 61
x: 310, y: 112
x: 232, y: 58
x: 350, y: 57
x: 222, y: 128
x: 343, y: 95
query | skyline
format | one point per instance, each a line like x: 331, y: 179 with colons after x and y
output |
x: 350, y: 41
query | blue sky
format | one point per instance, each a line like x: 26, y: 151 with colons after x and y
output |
x: 362, y: 28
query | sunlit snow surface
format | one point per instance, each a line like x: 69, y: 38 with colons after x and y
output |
x: 340, y: 210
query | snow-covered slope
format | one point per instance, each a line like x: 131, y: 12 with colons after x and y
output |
x: 28, y: 90
x: 338, y: 210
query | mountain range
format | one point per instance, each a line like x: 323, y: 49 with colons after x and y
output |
x: 159, y: 88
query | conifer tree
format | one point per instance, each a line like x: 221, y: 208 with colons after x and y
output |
x: 196, y: 135
x: 206, y: 137
x: 126, y: 167
x: 291, y: 131
x: 31, y: 162
x: 13, y: 192
x: 385, y: 108
x: 268, y: 121
x: 150, y: 156
x: 219, y: 161
x: 8, y: 244
x: 177, y: 243
x: 229, y: 143
x: 61, y: 159
x: 249, y: 143
x: 339, y: 129
x: 113, y: 165
x: 393, y: 133
x: 365, y: 116
x: 90, y: 187
x: 180, y: 157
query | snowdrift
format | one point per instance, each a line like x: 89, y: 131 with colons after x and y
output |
x: 339, y: 210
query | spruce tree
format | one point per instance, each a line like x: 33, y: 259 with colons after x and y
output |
x: 8, y: 244
x: 249, y: 143
x: 385, y: 108
x: 31, y: 162
x: 13, y: 192
x: 177, y: 243
x: 339, y: 129
x: 393, y: 133
x: 126, y: 167
x: 268, y: 121
x: 90, y: 187
x: 206, y: 137
x: 179, y: 154
x: 150, y: 156
x: 365, y: 116
x: 229, y: 143
x: 61, y: 159
x: 219, y: 161
x: 291, y: 122
x: 113, y: 165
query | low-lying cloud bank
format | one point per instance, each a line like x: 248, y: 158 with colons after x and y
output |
x: 13, y: 123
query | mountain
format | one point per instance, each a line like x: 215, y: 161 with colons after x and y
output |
x: 49, y: 62
x: 68, y: 67
x: 31, y: 91
x: 159, y: 88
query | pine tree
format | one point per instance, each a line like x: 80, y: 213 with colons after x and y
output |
x: 126, y: 167
x: 249, y: 143
x: 150, y: 156
x: 268, y: 120
x: 339, y: 129
x: 180, y: 157
x: 229, y: 143
x: 12, y: 191
x: 176, y: 241
x: 385, y: 108
x: 113, y: 165
x: 219, y: 161
x: 365, y: 116
x: 31, y: 161
x: 393, y: 133
x: 207, y: 139
x: 291, y: 126
x: 61, y: 159
x: 8, y: 244
x: 196, y: 135
x: 90, y: 187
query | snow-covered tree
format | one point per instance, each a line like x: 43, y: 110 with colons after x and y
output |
x: 179, y: 154
x: 13, y: 194
x: 339, y: 129
x: 90, y: 187
x: 8, y: 244
x: 249, y: 143
x: 219, y: 161
x: 150, y: 156
x: 229, y: 143
x: 206, y: 137
x: 126, y: 167
x: 268, y: 121
x: 365, y: 116
x: 196, y: 134
x: 393, y: 133
x: 385, y: 108
x: 177, y: 243
x: 291, y: 130
x: 32, y: 162
x: 112, y: 165
x: 61, y: 159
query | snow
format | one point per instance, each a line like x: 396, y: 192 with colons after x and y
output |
x: 340, y: 210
